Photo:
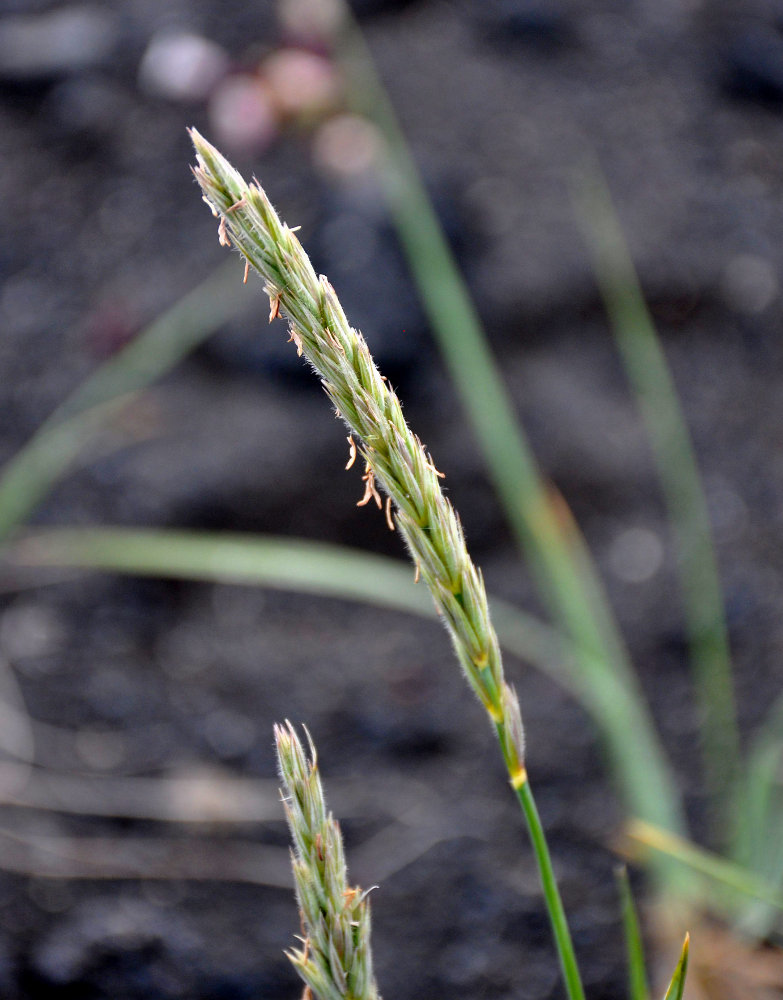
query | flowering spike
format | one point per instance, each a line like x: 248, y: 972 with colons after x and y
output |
x: 397, y: 462
x: 335, y: 962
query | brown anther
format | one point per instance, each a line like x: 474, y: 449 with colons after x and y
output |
x: 222, y: 234
x: 247, y: 271
x: 319, y: 846
x: 333, y: 341
x: 417, y: 574
x: 237, y: 204
x: 352, y: 456
x: 370, y: 490
x: 296, y: 339
x: 308, y: 994
x: 349, y: 896
x: 274, y: 308
x: 389, y: 520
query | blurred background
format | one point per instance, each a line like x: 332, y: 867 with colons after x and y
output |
x: 142, y: 848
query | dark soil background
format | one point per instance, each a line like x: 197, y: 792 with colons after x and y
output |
x: 103, y: 229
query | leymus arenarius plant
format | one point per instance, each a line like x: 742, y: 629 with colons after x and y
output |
x: 335, y: 960
x: 394, y: 459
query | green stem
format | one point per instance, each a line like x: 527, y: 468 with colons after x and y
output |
x: 554, y: 904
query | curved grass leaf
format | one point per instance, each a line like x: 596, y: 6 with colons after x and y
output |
x: 735, y: 883
x: 30, y: 474
x: 280, y: 563
x: 33, y: 471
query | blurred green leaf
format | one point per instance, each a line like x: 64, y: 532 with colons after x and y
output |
x: 726, y: 875
x: 280, y: 563
x: 637, y: 974
x: 656, y: 396
x: 33, y: 471
x: 540, y: 520
x: 759, y: 811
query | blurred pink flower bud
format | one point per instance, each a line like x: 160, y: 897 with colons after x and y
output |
x: 310, y: 21
x: 347, y: 146
x: 242, y: 114
x: 302, y: 83
x: 182, y: 66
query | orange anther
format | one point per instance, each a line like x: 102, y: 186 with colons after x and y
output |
x: 389, y: 520
x: 352, y: 455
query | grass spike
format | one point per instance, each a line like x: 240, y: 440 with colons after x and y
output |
x: 432, y: 531
x: 335, y: 961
